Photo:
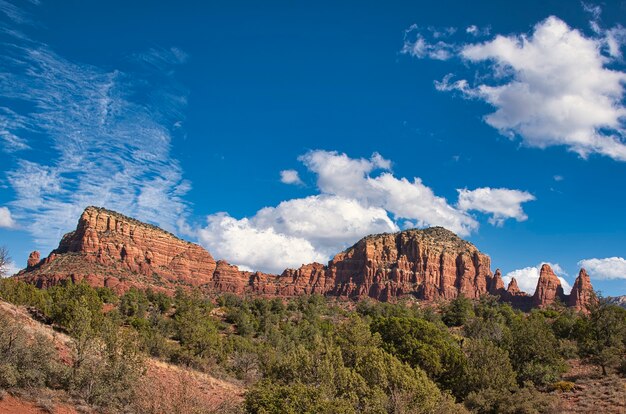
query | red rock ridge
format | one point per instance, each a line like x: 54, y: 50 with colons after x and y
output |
x: 431, y: 264
x: 109, y: 249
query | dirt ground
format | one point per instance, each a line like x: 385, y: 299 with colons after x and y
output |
x: 593, y: 392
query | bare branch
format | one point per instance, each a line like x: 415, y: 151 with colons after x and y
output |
x: 5, y: 261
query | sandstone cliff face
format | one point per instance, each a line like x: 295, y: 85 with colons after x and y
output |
x: 582, y: 295
x: 109, y: 249
x: 118, y: 251
x: 548, y: 288
x: 431, y: 264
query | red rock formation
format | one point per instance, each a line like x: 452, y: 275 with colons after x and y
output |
x: 496, y: 286
x: 109, y: 249
x: 548, y: 288
x: 513, y: 288
x: 33, y: 259
x: 582, y: 294
x: 431, y: 264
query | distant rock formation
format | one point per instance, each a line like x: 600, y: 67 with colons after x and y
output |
x: 582, y: 295
x: 617, y: 300
x: 33, y: 259
x: 497, y: 284
x: 109, y: 249
x: 549, y: 288
x: 513, y: 288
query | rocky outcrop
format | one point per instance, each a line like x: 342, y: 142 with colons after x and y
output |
x: 496, y: 286
x: 549, y: 288
x: 430, y: 264
x: 582, y: 295
x: 33, y: 259
x: 109, y: 249
x: 513, y: 288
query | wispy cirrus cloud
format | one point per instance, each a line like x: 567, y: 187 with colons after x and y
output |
x: 555, y: 86
x: 77, y: 134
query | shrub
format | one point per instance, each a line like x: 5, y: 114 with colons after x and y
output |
x: 27, y: 360
x: 562, y: 386
x: 522, y: 400
x: 488, y: 367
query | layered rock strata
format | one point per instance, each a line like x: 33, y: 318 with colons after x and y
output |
x: 109, y: 249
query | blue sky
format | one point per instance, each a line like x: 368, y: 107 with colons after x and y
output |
x: 280, y: 133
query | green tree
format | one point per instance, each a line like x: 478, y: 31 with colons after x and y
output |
x: 422, y: 344
x: 488, y: 367
x: 602, y: 335
x: 458, y: 311
x: 134, y: 303
x: 534, y: 350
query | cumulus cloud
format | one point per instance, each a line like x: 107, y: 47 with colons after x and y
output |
x: 6, y: 220
x: 501, y: 203
x: 358, y: 196
x: 528, y: 277
x: 106, y: 134
x: 605, y: 269
x: 241, y: 242
x: 295, y: 232
x: 553, y: 87
x: 290, y: 177
x: 341, y: 175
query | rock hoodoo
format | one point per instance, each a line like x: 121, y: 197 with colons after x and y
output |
x: 582, y: 294
x: 33, y: 259
x: 110, y: 249
x: 548, y: 288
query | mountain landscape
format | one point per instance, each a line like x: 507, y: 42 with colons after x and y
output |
x: 108, y: 249
x: 312, y: 207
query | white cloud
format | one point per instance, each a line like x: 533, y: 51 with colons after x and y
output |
x: 240, y: 242
x: 553, y: 87
x: 11, y: 269
x: 528, y: 277
x: 103, y: 145
x: 6, y: 220
x: 558, y: 178
x: 290, y: 177
x: 357, y: 197
x: 351, y: 178
x: 605, y: 269
x: 295, y: 232
x: 477, y: 31
x: 501, y: 203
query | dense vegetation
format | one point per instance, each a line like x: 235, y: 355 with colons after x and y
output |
x: 309, y: 354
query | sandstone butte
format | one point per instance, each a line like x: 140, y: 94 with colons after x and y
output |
x: 112, y: 250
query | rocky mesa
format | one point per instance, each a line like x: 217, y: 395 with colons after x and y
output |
x: 110, y: 249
